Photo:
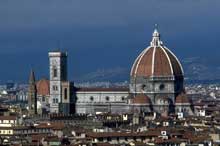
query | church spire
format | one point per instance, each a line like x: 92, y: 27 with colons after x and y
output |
x: 32, y: 94
x: 32, y: 77
x: 156, y: 38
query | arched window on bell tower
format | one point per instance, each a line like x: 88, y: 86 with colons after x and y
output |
x: 65, y: 94
x: 54, y: 72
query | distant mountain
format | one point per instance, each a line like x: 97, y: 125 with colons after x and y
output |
x: 196, y: 69
x: 117, y: 74
x: 201, y: 69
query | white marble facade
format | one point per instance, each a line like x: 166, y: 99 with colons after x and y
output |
x: 101, y: 101
x: 58, y: 73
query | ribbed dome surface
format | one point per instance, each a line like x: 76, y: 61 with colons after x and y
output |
x: 43, y: 87
x: 156, y: 60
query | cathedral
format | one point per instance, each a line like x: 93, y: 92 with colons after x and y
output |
x: 156, y: 85
x: 156, y: 79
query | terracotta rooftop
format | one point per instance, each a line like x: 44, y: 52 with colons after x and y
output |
x: 156, y: 60
x: 122, y: 134
x: 182, y: 98
x: 58, y: 125
x: 141, y: 99
x: 171, y: 140
x: 7, y: 117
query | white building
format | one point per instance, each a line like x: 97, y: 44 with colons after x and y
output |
x: 58, y: 73
x: 156, y: 85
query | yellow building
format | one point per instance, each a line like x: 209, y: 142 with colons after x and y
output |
x: 6, y: 125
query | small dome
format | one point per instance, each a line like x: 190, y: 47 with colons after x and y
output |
x: 163, y: 100
x: 156, y: 60
x: 141, y: 99
x: 182, y: 98
x: 43, y: 87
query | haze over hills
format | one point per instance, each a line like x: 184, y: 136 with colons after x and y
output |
x: 201, y: 70
x: 197, y: 70
x: 104, y: 37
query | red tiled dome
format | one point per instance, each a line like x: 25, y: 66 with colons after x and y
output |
x: 182, y: 98
x: 43, y: 87
x: 156, y: 60
x: 141, y: 99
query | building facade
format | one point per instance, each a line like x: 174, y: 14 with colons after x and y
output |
x: 99, y: 100
x: 156, y: 85
x: 43, y: 96
x: 66, y: 105
x: 158, y: 76
x: 58, y: 74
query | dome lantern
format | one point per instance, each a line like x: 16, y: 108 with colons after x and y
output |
x: 156, y: 39
x: 156, y: 61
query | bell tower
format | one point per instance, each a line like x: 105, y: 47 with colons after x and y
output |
x: 58, y: 74
x: 32, y: 94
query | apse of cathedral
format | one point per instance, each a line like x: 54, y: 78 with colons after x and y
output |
x: 156, y: 85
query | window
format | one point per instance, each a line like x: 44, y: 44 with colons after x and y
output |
x: 143, y: 87
x: 54, y: 72
x: 65, y: 93
x: 107, y: 98
x: 122, y: 98
x: 43, y: 99
x: 109, y: 139
x: 54, y: 100
x: 162, y: 86
x: 91, y: 98
x: 55, y: 88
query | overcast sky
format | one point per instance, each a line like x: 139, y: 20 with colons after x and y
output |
x: 101, y: 33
